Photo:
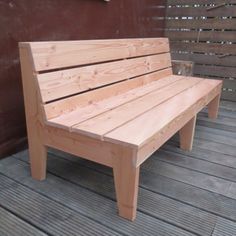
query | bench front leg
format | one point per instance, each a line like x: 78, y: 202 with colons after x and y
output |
x: 186, y: 134
x: 126, y: 178
x: 213, y: 107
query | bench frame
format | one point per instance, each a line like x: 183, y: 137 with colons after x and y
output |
x: 125, y: 160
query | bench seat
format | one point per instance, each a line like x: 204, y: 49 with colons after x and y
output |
x: 114, y: 102
x: 122, y: 118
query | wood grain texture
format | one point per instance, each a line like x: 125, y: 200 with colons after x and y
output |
x: 52, y: 55
x: 34, y: 117
x: 204, y: 32
x: 186, y: 104
x: 70, y: 104
x: 100, y: 125
x: 126, y: 177
x: 192, y: 11
x: 67, y: 121
x: 55, y: 85
x: 199, y: 24
x: 213, y: 107
x: 103, y: 125
x: 186, y: 134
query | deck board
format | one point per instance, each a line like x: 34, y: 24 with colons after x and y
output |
x: 181, y: 193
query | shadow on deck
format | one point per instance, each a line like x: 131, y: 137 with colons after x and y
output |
x: 181, y: 193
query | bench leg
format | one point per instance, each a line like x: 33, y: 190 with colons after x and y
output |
x: 126, y: 177
x: 186, y: 135
x: 213, y: 107
x: 38, y: 159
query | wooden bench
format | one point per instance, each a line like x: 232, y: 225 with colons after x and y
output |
x: 114, y: 102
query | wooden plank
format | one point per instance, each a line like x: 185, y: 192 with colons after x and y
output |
x: 58, y: 84
x: 70, y: 104
x: 100, y: 125
x: 219, y: 71
x: 186, y: 134
x: 187, y: 103
x: 44, y: 213
x: 34, y: 116
x: 217, y: 147
x: 201, y: 24
x: 73, y: 188
x: 79, y: 145
x: 194, y: 178
x: 200, y: 153
x: 197, y: 3
x: 200, y: 198
x: 229, y: 95
x: 82, y: 114
x: 224, y: 227
x: 230, y: 106
x: 200, y: 11
x: 99, y: 179
x: 203, y: 47
x: 14, y: 226
x: 126, y: 178
x: 52, y: 55
x: 205, y: 59
x: 192, y: 163
x: 196, y: 35
x: 223, y: 123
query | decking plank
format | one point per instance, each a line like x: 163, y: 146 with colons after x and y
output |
x: 46, y: 214
x: 99, y: 208
x: 171, y: 201
x: 11, y: 225
x: 192, y: 195
x: 224, y: 227
x: 202, y: 154
x: 202, y: 166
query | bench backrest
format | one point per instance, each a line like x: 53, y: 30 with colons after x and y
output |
x: 75, y: 73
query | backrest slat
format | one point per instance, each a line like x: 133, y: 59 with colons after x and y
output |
x: 58, y: 84
x: 54, y: 55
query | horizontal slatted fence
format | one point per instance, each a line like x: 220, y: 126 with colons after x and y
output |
x: 205, y: 32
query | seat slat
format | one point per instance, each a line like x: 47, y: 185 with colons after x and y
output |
x: 165, y: 117
x: 57, y: 108
x: 104, y: 123
x: 54, y: 55
x: 67, y: 120
x: 58, y: 84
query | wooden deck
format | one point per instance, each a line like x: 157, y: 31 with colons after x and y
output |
x: 181, y: 193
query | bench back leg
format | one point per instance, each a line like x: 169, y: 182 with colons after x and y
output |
x: 126, y: 178
x: 37, y: 150
x: 38, y: 159
x: 186, y: 134
x: 213, y: 107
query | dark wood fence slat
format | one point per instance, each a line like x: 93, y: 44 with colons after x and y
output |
x: 216, y: 48
x: 219, y: 71
x: 201, y: 24
x: 200, y: 11
x: 200, y: 2
x: 204, y: 32
x: 205, y: 59
x: 196, y: 35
